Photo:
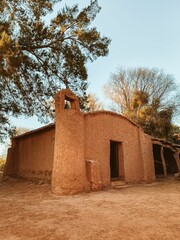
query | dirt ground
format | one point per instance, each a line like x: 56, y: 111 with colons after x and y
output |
x: 148, y: 212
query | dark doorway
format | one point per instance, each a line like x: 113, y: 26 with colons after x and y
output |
x: 157, y: 160
x: 170, y: 161
x: 114, y: 159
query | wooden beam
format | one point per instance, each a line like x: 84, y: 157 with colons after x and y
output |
x: 158, y: 162
x: 163, y: 161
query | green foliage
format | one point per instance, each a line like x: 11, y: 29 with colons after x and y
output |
x: 38, y: 59
x: 148, y: 97
x: 156, y: 122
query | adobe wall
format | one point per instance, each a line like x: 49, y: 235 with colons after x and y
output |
x: 100, y: 128
x: 33, y: 155
x: 147, y: 155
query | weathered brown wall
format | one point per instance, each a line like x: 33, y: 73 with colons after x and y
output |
x: 35, y: 153
x: 100, y: 128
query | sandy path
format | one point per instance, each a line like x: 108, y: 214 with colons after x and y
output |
x: 147, y: 212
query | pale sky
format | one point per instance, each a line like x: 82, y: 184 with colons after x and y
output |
x: 143, y: 32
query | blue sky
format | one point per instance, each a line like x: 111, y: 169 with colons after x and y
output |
x: 143, y: 33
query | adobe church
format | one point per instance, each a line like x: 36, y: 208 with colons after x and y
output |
x: 86, y: 151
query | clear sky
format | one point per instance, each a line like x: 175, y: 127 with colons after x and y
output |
x: 143, y: 33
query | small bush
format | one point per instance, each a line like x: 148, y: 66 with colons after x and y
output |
x: 2, y: 163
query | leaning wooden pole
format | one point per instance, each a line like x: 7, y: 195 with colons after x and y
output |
x: 176, y: 156
x: 163, y: 161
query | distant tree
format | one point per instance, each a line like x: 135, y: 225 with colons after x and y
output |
x: 175, y: 134
x: 149, y: 97
x: 15, y: 132
x: 20, y: 130
x: 93, y: 103
x: 38, y: 58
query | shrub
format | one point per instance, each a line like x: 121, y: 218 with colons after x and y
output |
x: 2, y: 163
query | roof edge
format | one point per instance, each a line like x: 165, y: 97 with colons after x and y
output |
x: 112, y: 113
x: 162, y: 141
x: 51, y: 125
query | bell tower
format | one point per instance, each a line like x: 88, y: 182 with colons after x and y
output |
x: 69, y: 172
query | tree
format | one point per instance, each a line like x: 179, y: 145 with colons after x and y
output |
x: 38, y: 58
x: 20, y: 130
x: 149, y: 97
x: 175, y: 134
x: 3, y: 155
x: 93, y: 103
